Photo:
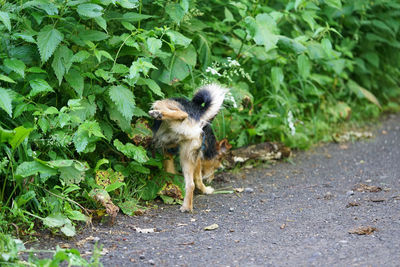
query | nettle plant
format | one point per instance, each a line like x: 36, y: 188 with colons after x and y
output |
x: 77, y: 79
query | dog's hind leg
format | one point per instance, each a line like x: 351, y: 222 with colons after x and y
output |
x: 167, y: 110
x: 168, y: 163
x: 198, y: 179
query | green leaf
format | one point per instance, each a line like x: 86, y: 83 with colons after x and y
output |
x: 290, y: 45
x: 334, y: 3
x: 101, y: 22
x: 15, y: 65
x: 47, y: 41
x: 116, y: 116
x: 89, y: 10
x: 29, y: 168
x: 124, y: 100
x: 120, y: 68
x: 175, y: 11
x: 80, y: 56
x: 277, y: 77
x: 6, y: 79
x: 304, y: 66
x: 62, y: 61
x: 228, y: 15
x: 137, y: 153
x: 179, y: 65
x: 5, y: 135
x: 92, y: 128
x: 128, y: 3
x: 129, y: 207
x: 35, y: 70
x: 5, y: 101
x: 372, y: 58
x: 114, y: 186
x: 92, y: 35
x: 68, y: 229
x: 44, y: 5
x: 5, y: 18
x: 55, y: 220
x: 39, y: 86
x: 263, y: 30
x: 133, y: 17
x: 20, y: 133
x: 101, y: 162
x: 21, y: 200
x: 107, y: 76
x: 44, y: 124
x: 138, y: 112
x: 178, y: 39
x: 153, y: 45
x: 81, y: 140
x: 363, y: 93
x: 71, y: 175
x: 75, y: 79
x: 77, y: 216
x: 154, y: 87
x: 204, y: 51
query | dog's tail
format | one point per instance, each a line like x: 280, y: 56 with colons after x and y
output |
x: 210, y: 98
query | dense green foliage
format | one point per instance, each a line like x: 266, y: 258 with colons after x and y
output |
x: 77, y: 78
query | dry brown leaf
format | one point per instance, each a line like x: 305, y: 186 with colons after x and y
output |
x: 352, y: 204
x: 238, y: 190
x: 211, y: 227
x: 363, y: 230
x: 102, y: 197
x: 82, y: 242
x: 367, y: 188
x: 66, y: 245
x: 344, y: 147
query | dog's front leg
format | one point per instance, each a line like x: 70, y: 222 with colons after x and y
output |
x: 189, y: 156
x: 188, y: 169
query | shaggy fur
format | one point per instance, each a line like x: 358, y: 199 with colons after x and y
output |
x: 185, y: 124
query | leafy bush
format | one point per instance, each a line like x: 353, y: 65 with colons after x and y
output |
x: 77, y: 77
x: 11, y: 247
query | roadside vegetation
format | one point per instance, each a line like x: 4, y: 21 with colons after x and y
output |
x: 77, y: 79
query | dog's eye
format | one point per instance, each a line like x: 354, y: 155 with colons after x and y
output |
x: 203, y: 104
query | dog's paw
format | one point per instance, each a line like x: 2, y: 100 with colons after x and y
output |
x: 209, y: 190
x: 186, y: 209
x: 156, y: 114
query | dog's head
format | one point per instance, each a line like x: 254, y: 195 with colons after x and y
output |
x: 208, y: 167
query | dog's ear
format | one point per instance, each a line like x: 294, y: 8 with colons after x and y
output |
x: 223, y: 146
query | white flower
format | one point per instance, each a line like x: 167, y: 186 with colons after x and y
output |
x: 233, y: 62
x: 230, y: 97
x: 291, y: 124
x: 213, y: 71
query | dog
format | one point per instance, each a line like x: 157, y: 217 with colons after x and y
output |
x: 184, y: 125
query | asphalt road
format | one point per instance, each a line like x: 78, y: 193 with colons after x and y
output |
x: 291, y: 214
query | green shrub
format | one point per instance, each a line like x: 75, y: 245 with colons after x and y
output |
x: 77, y: 78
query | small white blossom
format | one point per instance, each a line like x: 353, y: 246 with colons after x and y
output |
x: 291, y: 124
x: 230, y: 97
x: 233, y: 62
x: 213, y: 71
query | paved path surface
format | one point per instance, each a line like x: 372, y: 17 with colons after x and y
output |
x: 299, y: 214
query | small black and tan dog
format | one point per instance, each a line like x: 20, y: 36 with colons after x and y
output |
x: 185, y: 125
